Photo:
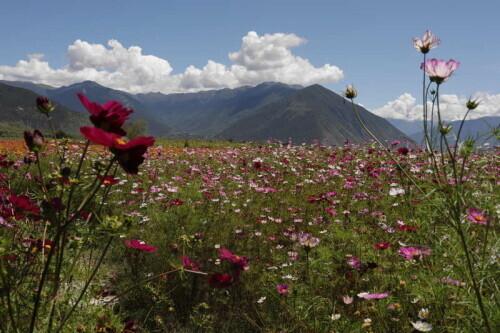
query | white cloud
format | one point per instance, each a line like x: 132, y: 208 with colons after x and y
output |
x: 261, y: 58
x: 452, y: 107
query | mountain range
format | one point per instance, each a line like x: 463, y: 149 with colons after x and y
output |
x: 267, y: 111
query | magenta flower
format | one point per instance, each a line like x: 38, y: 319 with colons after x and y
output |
x: 239, y: 263
x: 282, y: 289
x: 477, y: 216
x: 426, y: 43
x: 140, y: 245
x: 410, y: 253
x: 353, y: 262
x: 439, y: 70
x: 189, y: 264
x: 373, y: 296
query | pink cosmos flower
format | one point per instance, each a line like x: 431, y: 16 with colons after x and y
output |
x: 282, y: 289
x: 410, y: 253
x: 439, y: 70
x: 426, y: 43
x: 140, y: 245
x: 307, y: 240
x: 477, y: 216
x: 452, y: 282
x: 373, y: 296
x: 353, y: 262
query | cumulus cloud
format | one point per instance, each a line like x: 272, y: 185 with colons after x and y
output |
x: 268, y: 57
x: 405, y: 107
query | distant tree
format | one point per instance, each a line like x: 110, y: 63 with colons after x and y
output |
x: 136, y: 128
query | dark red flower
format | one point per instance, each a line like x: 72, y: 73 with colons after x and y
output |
x: 382, y: 246
x: 140, y: 245
x: 221, y: 280
x: 109, y: 116
x: 108, y: 180
x: 44, y: 105
x: 130, y: 154
x: 403, y: 151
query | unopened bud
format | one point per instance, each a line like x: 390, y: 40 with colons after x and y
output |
x: 350, y: 92
x: 472, y: 104
x: 466, y: 147
x: 445, y: 129
x: 34, y: 140
x: 44, y: 105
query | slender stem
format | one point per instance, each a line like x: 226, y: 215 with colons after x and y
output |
x: 470, y: 268
x: 385, y: 149
x: 87, y: 284
x: 77, y: 176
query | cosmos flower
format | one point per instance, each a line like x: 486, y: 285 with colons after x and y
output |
x: 221, y: 280
x: 477, y: 216
x: 140, y: 245
x: 308, y: 241
x: 426, y: 43
x: 410, y: 253
x: 439, y: 70
x: 189, y: 264
x: 369, y: 296
x: 129, y: 154
x: 239, y: 263
x: 353, y: 262
x: 382, y: 246
x: 422, y: 326
x: 282, y: 289
x: 109, y: 116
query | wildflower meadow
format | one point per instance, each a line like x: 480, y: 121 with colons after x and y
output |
x: 106, y: 233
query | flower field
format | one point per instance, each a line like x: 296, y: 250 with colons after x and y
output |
x: 117, y: 234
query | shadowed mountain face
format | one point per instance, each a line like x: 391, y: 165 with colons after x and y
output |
x: 18, y: 112
x: 267, y: 111
x: 312, y: 113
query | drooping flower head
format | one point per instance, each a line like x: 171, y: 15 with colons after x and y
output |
x: 130, y: 154
x: 426, y: 43
x: 109, y: 116
x: 439, y: 70
x: 34, y: 140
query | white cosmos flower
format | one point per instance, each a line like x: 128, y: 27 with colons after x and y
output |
x: 422, y: 326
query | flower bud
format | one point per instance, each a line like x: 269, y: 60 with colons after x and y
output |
x: 44, y: 105
x: 472, y: 104
x: 445, y: 129
x: 466, y: 147
x: 34, y: 140
x: 350, y: 92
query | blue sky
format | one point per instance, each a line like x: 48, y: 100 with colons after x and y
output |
x: 370, y: 41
